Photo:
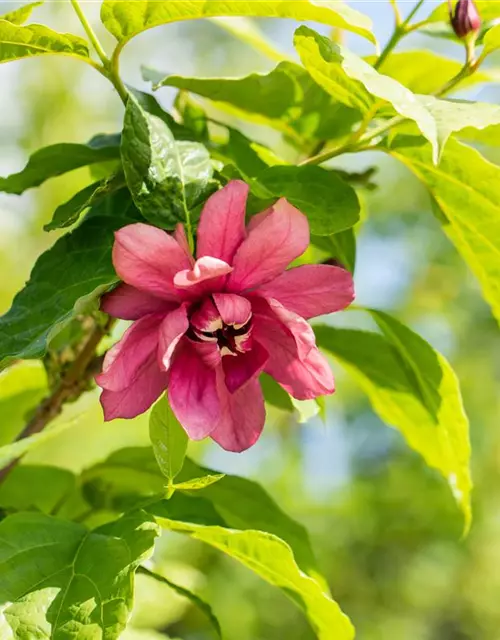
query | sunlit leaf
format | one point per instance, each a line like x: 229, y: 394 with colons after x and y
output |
x: 60, y: 158
x: 355, y: 83
x: 18, y: 42
x: 465, y: 188
x: 491, y: 41
x: 19, y: 16
x: 64, y: 280
x: 246, y: 30
x: 273, y: 560
x: 168, y: 438
x: 412, y: 388
x: 488, y: 10
x: 127, y: 18
x: 195, y: 484
x: 167, y: 178
x: 62, y: 579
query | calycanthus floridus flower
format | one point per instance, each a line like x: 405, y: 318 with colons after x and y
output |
x: 206, y: 328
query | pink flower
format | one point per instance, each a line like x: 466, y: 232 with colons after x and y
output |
x: 207, y: 328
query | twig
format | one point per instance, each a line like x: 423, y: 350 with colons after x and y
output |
x: 71, y: 386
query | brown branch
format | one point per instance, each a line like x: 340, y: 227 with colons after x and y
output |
x: 72, y: 384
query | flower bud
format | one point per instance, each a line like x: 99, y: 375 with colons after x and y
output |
x: 466, y: 19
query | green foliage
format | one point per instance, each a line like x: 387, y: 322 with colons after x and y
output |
x: 36, y: 40
x: 65, y: 280
x: 59, y: 159
x: 60, y: 579
x: 491, y: 41
x: 19, y: 16
x: 412, y: 388
x: 126, y: 19
x: 168, y: 438
x: 167, y: 178
x: 464, y: 188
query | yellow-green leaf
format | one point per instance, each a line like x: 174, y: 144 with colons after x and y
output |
x: 19, y: 16
x: 168, y: 438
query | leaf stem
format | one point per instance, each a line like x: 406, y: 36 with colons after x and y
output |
x: 90, y: 33
x: 401, y: 29
x: 71, y: 386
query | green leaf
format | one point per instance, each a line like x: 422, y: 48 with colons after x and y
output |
x: 126, y: 19
x: 187, y: 593
x: 274, y: 394
x: 21, y: 388
x: 68, y: 213
x: 195, y: 484
x: 341, y: 247
x: 60, y: 580
x: 491, y: 42
x: 18, y: 42
x: 193, y: 116
x: 168, y: 438
x: 412, y: 388
x: 424, y: 71
x: 19, y: 16
x: 355, y: 83
x: 58, y: 159
x: 465, y: 188
x: 488, y: 11
x: 64, y: 280
x: 330, y: 204
x: 453, y: 116
x: 167, y: 178
x: 273, y: 560
x: 40, y: 488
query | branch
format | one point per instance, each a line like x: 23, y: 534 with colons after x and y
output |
x: 71, y: 386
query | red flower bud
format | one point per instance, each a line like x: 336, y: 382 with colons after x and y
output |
x: 466, y: 19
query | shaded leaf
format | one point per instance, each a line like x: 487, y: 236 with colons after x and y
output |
x: 195, y: 484
x: 19, y: 16
x: 193, y: 116
x: 68, y: 213
x: 64, y: 280
x: 341, y: 247
x: 61, y: 579
x: 127, y: 18
x: 167, y: 178
x: 33, y: 487
x: 168, y: 438
x: 60, y: 158
x: 352, y: 81
x: 466, y: 190
x: 412, y: 388
x: 18, y: 42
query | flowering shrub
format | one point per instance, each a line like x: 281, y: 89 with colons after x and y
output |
x: 217, y: 252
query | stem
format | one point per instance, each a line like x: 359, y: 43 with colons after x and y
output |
x: 114, y: 76
x: 71, y: 386
x: 399, y: 32
x: 397, y: 14
x: 90, y: 33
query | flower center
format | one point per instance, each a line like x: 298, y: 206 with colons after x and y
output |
x: 230, y: 338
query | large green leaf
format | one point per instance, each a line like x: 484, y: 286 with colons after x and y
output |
x: 60, y: 580
x: 412, y: 388
x: 330, y: 204
x: 341, y: 247
x: 127, y: 18
x: 465, y: 188
x: 64, y: 280
x: 167, y: 178
x: 168, y: 438
x: 491, y: 41
x: 18, y: 42
x: 19, y: 16
x: 424, y: 71
x: 355, y: 83
x: 273, y: 560
x: 60, y: 158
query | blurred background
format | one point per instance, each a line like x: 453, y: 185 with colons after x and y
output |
x: 384, y: 526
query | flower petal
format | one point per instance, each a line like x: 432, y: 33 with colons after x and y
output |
x: 207, y: 317
x: 192, y: 392
x: 123, y: 363
x: 205, y: 268
x: 129, y: 303
x: 258, y: 218
x: 222, y: 222
x: 182, y: 241
x: 294, y: 360
x: 130, y: 402
x: 241, y: 368
x: 148, y: 258
x: 173, y: 327
x: 311, y: 289
x: 281, y: 236
x: 243, y: 417
x: 233, y: 309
